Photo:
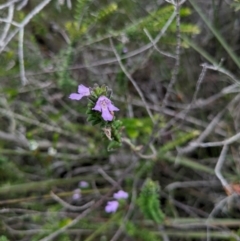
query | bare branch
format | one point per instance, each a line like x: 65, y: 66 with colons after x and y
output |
x: 132, y: 81
x: 21, y: 57
x: 8, y: 24
x: 219, y: 165
x: 69, y: 206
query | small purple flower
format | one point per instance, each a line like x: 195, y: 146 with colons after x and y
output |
x: 120, y: 195
x: 77, y: 194
x: 124, y: 50
x: 105, y: 106
x: 83, y: 184
x: 82, y: 91
x: 111, y: 207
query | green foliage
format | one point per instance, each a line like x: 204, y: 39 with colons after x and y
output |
x: 104, y: 226
x: 181, y: 139
x: 98, y: 16
x: 80, y: 8
x: 39, y: 26
x: 9, y: 171
x: 52, y: 224
x: 149, y: 203
x: 104, y: 12
x: 64, y: 81
x: 3, y: 238
x: 8, y: 62
x: 83, y: 22
x: 136, y: 127
x: 116, y: 128
x: 140, y: 233
x: 155, y: 21
x: 236, y: 5
x: 78, y: 27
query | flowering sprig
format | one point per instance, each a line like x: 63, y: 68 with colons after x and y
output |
x: 100, y: 110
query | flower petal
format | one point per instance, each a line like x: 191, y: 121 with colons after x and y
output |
x: 98, y: 106
x: 102, y: 97
x: 83, y: 90
x: 105, y: 106
x: 75, y: 96
x: 111, y: 207
x: 106, y: 115
x: 77, y: 194
x: 120, y: 195
x: 83, y: 184
x: 111, y: 107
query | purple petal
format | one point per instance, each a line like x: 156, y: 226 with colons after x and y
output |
x: 111, y: 107
x: 83, y: 184
x: 106, y: 115
x: 120, y: 195
x: 105, y: 106
x: 75, y: 96
x: 83, y: 90
x: 101, y: 98
x: 97, y: 107
x: 111, y: 207
x: 77, y: 194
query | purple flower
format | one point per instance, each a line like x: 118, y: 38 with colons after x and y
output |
x: 82, y: 91
x: 111, y: 207
x: 83, y: 184
x: 77, y: 194
x: 120, y: 195
x: 105, y: 106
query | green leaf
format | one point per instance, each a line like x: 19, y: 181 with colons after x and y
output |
x: 113, y: 145
x: 3, y: 238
